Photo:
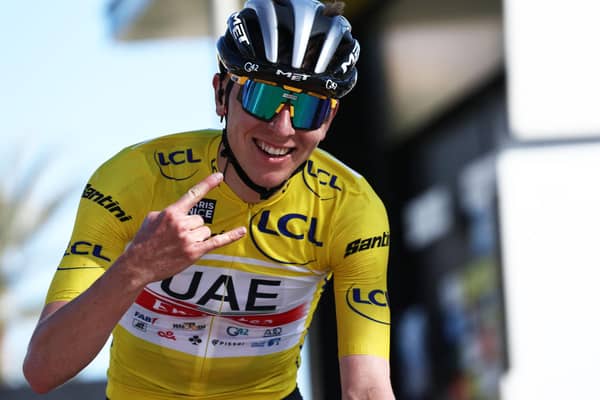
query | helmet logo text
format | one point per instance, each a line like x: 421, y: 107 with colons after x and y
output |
x: 331, y: 85
x: 292, y: 75
x: 250, y: 67
x: 238, y: 30
x: 352, y: 58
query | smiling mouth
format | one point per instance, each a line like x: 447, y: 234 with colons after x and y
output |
x: 273, y: 151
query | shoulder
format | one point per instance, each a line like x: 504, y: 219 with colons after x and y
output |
x: 174, y: 141
x: 171, y: 158
x: 172, y: 154
x: 328, y: 177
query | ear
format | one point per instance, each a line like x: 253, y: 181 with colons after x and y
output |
x: 219, y: 92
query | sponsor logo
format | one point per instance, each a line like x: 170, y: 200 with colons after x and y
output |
x: 376, y: 297
x: 217, y: 342
x: 85, y: 248
x: 223, y: 290
x: 139, y: 325
x: 368, y: 243
x: 368, y: 303
x: 324, y: 179
x: 107, y: 202
x: 161, y: 304
x: 238, y: 31
x: 167, y: 335
x: 145, y: 318
x: 266, y: 227
x: 272, y: 332
x: 331, y: 85
x: 168, y: 162
x: 266, y: 343
x: 235, y: 331
x: 250, y: 67
x: 352, y: 58
x: 283, y: 226
x: 293, y: 76
x: 188, y: 326
x: 195, y: 340
x: 204, y: 208
x: 256, y: 320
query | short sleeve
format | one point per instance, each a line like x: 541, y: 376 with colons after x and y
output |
x: 111, y: 209
x: 360, y: 261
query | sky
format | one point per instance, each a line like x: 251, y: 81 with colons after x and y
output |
x: 71, y: 92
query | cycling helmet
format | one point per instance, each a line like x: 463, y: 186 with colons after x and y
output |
x: 291, y: 42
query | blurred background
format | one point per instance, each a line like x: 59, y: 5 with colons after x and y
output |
x: 475, y: 120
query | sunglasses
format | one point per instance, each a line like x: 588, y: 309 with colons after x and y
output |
x: 264, y: 100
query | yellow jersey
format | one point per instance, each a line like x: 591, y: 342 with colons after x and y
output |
x: 232, y: 324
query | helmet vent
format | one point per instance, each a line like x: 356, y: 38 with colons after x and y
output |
x: 265, y: 10
x: 334, y: 37
x: 304, y: 18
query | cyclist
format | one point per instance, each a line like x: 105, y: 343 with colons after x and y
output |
x: 211, y: 297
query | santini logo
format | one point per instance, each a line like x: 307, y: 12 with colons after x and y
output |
x: 366, y: 244
x: 107, y: 202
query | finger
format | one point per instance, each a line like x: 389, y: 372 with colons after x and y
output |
x: 197, y: 192
x: 192, y: 222
x: 199, y: 234
x: 222, y: 239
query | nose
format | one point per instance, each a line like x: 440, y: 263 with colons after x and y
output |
x: 281, y: 124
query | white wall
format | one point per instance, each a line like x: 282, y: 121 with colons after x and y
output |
x: 553, y: 64
x: 550, y: 213
x: 550, y: 198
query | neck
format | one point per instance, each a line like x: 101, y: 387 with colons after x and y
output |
x: 232, y: 179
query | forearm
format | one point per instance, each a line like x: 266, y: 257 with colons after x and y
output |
x: 66, y: 341
x: 70, y: 335
x: 369, y: 393
x: 365, y: 377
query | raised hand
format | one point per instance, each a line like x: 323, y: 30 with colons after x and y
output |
x: 170, y: 240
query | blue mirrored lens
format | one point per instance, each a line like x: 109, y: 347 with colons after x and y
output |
x: 310, y: 112
x: 262, y: 101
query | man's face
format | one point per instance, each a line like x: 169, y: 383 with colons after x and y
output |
x: 269, y: 152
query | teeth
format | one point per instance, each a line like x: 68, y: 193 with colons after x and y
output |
x: 274, y: 151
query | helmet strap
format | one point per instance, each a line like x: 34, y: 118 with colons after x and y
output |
x: 262, y: 191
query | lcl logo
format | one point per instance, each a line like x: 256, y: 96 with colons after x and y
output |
x: 282, y: 227
x: 370, y: 303
x: 82, y: 247
x: 167, y: 161
x: 267, y: 227
x: 321, y: 182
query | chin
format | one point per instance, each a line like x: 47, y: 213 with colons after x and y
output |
x: 272, y: 180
